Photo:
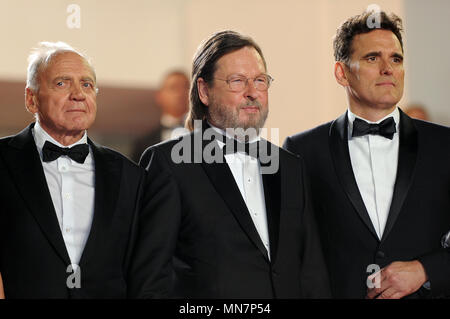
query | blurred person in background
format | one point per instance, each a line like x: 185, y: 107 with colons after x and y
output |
x: 417, y: 111
x: 173, y: 99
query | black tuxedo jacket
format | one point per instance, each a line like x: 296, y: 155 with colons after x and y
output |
x: 33, y: 256
x: 202, y: 240
x: 419, y: 214
x: 142, y: 143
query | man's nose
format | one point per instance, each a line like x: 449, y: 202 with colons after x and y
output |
x: 386, y: 67
x: 77, y: 92
x: 250, y: 90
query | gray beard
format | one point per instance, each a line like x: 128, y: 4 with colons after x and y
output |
x: 224, y: 118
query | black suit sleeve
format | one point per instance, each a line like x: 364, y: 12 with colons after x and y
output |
x: 314, y: 274
x: 437, y: 268
x: 151, y: 270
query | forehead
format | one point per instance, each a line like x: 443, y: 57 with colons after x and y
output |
x: 245, y: 60
x: 377, y: 40
x: 68, y: 63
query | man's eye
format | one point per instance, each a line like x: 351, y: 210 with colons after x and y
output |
x: 236, y: 80
x: 372, y: 58
x: 60, y: 83
x: 87, y: 85
x: 261, y: 80
x: 397, y: 60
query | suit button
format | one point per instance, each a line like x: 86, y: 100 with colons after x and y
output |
x: 380, y: 254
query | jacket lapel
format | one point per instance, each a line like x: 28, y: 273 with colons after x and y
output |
x: 223, y: 181
x: 407, y: 155
x: 26, y: 170
x: 342, y: 164
x: 108, y: 173
x: 272, y: 195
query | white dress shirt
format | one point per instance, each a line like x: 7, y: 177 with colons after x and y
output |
x: 71, y: 187
x: 246, y: 171
x: 374, y: 161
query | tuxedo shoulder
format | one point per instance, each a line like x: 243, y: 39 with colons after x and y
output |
x: 164, y: 147
x: 5, y: 140
x: 16, y: 140
x: 19, y: 136
x: 113, y: 154
x: 289, y: 155
x: 312, y: 136
x: 432, y: 128
x: 314, y: 133
x: 167, y: 145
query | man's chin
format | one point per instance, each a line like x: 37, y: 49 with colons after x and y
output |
x: 388, y: 104
x: 389, y: 99
x: 248, y: 125
x: 250, y: 121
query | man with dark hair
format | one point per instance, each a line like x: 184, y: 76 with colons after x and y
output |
x: 360, y: 24
x: 233, y: 225
x: 380, y: 180
x: 69, y: 207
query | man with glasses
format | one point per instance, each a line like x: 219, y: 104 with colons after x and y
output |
x: 233, y: 217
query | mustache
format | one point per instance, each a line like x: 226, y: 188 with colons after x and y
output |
x: 251, y: 103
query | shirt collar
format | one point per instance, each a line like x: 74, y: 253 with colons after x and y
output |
x: 352, y: 116
x: 224, y: 133
x: 41, y: 136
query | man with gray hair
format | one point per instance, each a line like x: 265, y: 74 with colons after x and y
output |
x: 69, y: 207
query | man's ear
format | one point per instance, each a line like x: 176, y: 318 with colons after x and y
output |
x: 203, y: 91
x: 340, y: 73
x: 31, y: 101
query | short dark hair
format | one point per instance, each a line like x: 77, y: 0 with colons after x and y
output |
x: 204, y: 66
x: 359, y: 24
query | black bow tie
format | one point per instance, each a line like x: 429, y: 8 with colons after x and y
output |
x: 386, y: 128
x: 78, y: 153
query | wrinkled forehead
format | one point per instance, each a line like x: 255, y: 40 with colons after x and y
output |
x: 66, y: 61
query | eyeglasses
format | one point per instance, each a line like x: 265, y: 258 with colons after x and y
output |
x: 239, y: 83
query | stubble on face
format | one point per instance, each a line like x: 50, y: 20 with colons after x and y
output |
x: 229, y: 117
x: 244, y: 110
